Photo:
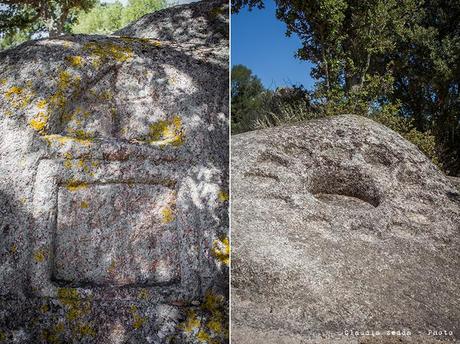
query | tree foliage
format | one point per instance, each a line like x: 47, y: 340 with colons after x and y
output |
x: 247, y: 94
x: 28, y: 17
x: 107, y: 18
x: 394, y: 60
x: 21, y: 20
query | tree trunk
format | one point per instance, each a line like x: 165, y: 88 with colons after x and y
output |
x: 54, y: 22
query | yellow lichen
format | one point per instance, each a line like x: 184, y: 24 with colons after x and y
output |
x: 107, y: 50
x: 167, y: 215
x: 56, y: 138
x: 85, y: 330
x: 58, y: 328
x: 65, y: 82
x: 13, y: 91
x: 68, y: 163
x: 192, y: 322
x: 106, y: 95
x: 48, y: 336
x: 81, y: 134
x: 84, y: 205
x: 215, y: 324
x: 67, y: 295
x: 221, y: 250
x: 74, y: 185
x: 75, y: 61
x: 138, y: 321
x: 18, y: 97
x: 223, y: 196
x: 41, y: 104
x: 214, y: 306
x: 203, y: 337
x: 212, y: 301
x: 167, y: 132
x: 39, y: 122
x: 64, y: 139
x: 13, y: 249
x: 112, y: 267
x: 141, y: 40
x: 44, y: 308
x: 76, y: 308
x: 39, y: 256
x: 143, y: 294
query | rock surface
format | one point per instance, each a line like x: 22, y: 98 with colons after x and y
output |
x: 338, y: 225
x: 114, y: 184
x: 455, y: 181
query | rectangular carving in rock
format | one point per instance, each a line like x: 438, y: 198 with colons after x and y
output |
x: 115, y: 234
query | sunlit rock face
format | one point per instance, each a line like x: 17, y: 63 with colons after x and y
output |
x: 114, y: 185
x: 340, y: 225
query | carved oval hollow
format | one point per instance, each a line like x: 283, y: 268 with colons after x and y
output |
x: 338, y: 188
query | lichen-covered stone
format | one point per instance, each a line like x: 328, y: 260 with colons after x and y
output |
x: 339, y: 224
x: 113, y: 163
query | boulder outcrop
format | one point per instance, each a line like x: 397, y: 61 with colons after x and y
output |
x: 341, y: 225
x: 114, y: 184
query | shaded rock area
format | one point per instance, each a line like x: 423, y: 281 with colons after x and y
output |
x: 114, y: 184
x: 455, y: 181
x: 340, y: 225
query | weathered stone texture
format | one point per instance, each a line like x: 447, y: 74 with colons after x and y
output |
x: 340, y: 224
x: 114, y: 184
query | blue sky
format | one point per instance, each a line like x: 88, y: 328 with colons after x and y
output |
x: 259, y: 42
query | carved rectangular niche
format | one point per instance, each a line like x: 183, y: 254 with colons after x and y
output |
x: 115, y: 234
